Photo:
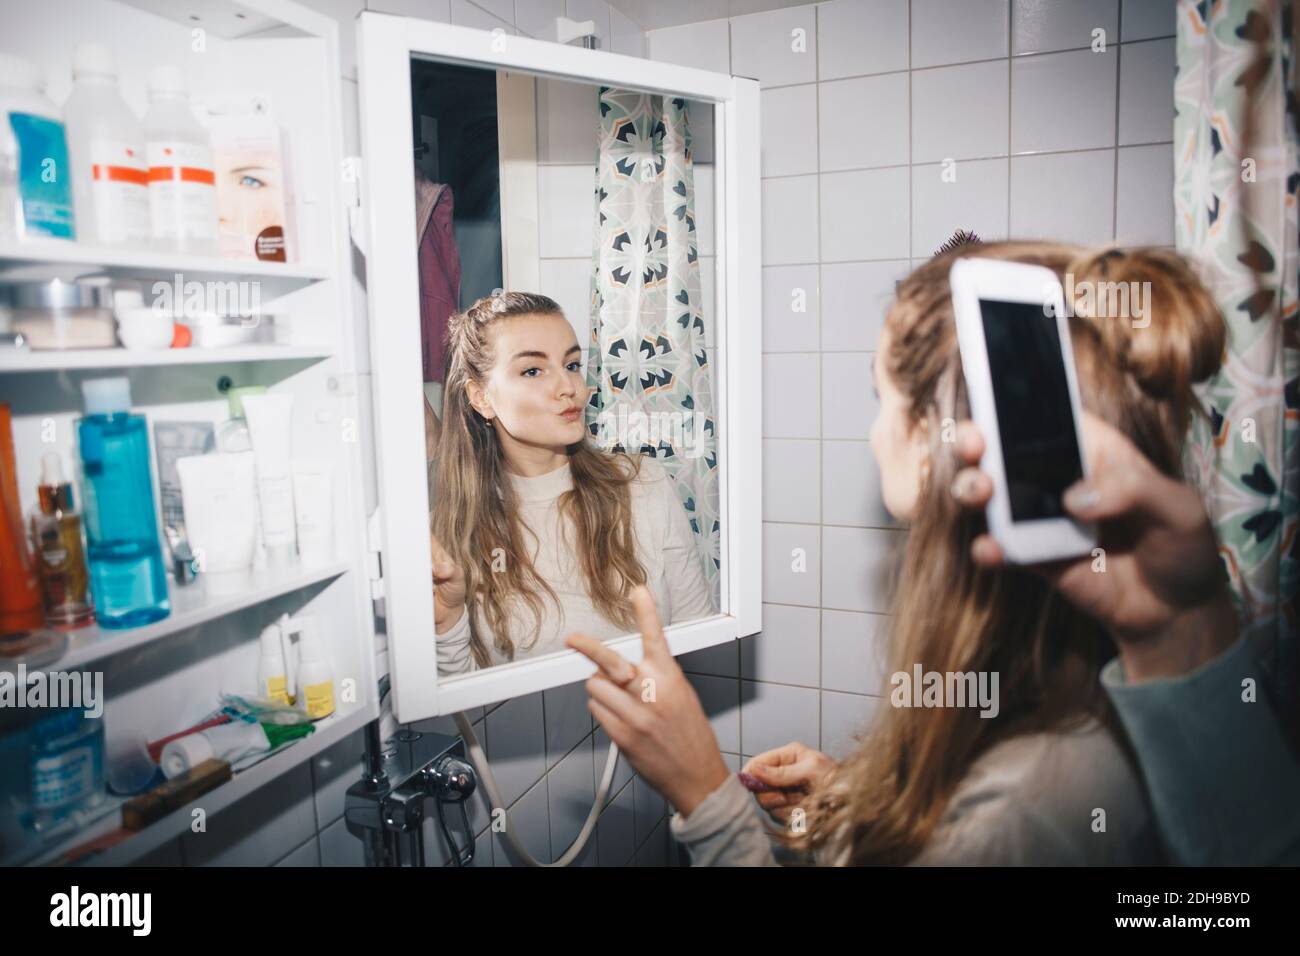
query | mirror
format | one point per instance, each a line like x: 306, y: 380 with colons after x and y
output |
x: 552, y: 321
x: 570, y: 427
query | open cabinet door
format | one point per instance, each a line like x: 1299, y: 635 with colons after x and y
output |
x: 393, y: 54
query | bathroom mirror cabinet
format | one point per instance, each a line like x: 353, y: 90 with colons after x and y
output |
x: 626, y: 193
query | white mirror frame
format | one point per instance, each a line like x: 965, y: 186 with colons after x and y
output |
x: 385, y: 47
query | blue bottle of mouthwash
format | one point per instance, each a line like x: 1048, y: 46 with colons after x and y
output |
x: 128, y: 578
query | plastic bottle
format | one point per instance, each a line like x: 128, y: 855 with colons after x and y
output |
x: 127, y: 576
x: 315, y: 676
x: 35, y: 177
x: 272, y: 675
x: 67, y: 766
x: 20, y: 590
x: 182, y: 181
x: 60, y: 558
x: 110, y: 182
x: 233, y: 436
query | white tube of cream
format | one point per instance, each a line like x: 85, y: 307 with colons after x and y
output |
x: 313, y: 504
x: 270, y: 421
x: 230, y: 742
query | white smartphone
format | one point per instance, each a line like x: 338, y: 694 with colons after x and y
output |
x: 1024, y: 396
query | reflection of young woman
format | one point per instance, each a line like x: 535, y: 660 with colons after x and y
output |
x: 534, y: 532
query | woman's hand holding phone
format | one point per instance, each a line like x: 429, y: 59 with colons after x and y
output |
x: 1163, y: 592
x: 790, y: 772
x: 448, y: 587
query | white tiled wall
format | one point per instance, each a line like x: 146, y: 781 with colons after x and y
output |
x: 865, y: 104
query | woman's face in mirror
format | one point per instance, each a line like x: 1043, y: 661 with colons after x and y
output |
x: 535, y: 393
x: 897, y: 442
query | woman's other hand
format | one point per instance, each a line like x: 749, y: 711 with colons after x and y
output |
x: 448, y: 587
x: 653, y: 714
x: 1158, y: 585
x: 792, y: 771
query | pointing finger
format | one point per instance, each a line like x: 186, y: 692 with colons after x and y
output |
x: 653, y: 642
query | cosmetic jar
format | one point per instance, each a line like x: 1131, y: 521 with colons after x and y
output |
x: 211, y: 330
x: 62, y: 315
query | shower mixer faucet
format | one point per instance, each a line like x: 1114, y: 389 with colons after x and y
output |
x: 386, y: 808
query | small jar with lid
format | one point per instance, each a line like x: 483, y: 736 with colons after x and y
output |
x: 62, y: 315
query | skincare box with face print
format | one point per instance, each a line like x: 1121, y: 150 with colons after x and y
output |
x: 254, y: 195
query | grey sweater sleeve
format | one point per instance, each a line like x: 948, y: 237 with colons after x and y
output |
x: 454, y: 656
x: 1223, y: 782
x: 726, y: 829
x: 1029, y: 800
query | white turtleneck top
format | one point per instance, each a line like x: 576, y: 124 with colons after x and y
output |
x: 665, y: 546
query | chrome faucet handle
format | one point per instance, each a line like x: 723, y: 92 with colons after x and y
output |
x: 450, y: 780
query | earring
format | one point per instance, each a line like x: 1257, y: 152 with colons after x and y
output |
x: 925, y: 471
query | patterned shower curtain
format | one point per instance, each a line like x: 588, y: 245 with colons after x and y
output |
x: 1236, y: 191
x: 647, y: 366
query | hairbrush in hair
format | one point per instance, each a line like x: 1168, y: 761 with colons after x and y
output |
x: 958, y: 240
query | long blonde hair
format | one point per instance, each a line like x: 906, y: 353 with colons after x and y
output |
x: 476, y: 512
x: 883, y: 802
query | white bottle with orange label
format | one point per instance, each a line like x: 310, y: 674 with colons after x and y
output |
x: 182, y: 183
x: 106, y: 152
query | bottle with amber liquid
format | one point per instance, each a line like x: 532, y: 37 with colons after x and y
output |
x: 60, y: 557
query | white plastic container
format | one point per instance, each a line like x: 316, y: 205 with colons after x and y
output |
x: 272, y: 674
x: 270, y: 425
x: 313, y: 505
x: 219, y: 498
x: 182, y: 183
x: 35, y: 177
x: 315, y: 675
x: 145, y: 328
x: 110, y: 181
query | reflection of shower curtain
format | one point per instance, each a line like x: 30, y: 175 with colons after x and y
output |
x: 647, y: 366
x: 1236, y: 190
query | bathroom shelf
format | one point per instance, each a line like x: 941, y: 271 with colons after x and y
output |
x: 328, y: 732
x: 52, y: 258
x: 163, y: 676
x: 192, y: 605
x: 13, y: 361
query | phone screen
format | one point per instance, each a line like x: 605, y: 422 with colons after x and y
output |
x: 1040, y: 448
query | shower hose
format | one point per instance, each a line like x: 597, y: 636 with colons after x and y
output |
x: 479, y: 759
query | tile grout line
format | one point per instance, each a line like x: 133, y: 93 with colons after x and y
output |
x: 1114, y: 189
x: 821, y: 367
x: 986, y: 158
x: 740, y: 710
x: 1010, y: 49
x: 947, y: 66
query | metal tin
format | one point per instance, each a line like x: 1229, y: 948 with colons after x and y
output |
x: 58, y: 295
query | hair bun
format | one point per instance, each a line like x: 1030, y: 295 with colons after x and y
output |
x: 1153, y: 314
